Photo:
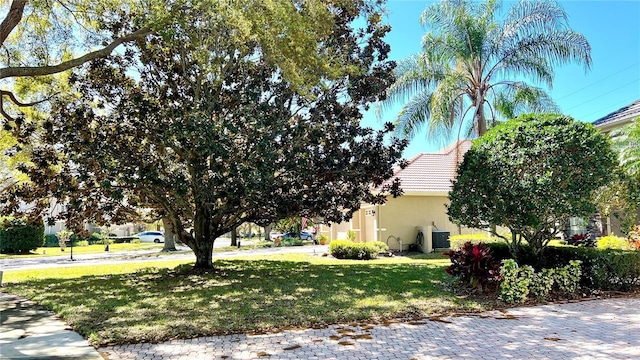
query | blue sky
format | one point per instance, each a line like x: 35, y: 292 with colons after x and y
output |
x: 612, y: 28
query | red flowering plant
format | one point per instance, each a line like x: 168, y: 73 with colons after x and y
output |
x: 473, y: 265
x: 582, y: 240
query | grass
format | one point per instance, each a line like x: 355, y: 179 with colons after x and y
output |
x: 150, y: 302
x: 91, y: 249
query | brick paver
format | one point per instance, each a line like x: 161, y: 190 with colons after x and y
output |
x: 597, y: 329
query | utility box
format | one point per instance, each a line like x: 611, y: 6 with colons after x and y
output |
x: 440, y: 239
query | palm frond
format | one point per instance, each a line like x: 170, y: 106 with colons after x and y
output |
x: 626, y: 141
x: 413, y: 115
x: 537, y: 68
x: 515, y: 98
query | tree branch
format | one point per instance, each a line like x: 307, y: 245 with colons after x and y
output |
x: 12, y: 19
x: 17, y: 102
x: 54, y: 69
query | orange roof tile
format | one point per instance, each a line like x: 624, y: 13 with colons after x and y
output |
x: 432, y: 172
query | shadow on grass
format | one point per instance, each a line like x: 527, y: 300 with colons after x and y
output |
x: 241, y: 296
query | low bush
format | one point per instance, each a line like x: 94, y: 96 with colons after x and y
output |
x: 50, y: 240
x: 601, y: 269
x: 345, y: 249
x: 516, y: 281
x: 458, y: 241
x: 20, y: 236
x: 520, y: 282
x: 323, y: 239
x: 473, y: 264
x: 613, y: 242
x: 291, y: 242
x: 96, y: 238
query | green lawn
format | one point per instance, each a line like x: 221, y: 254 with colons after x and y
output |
x: 159, y: 301
x: 91, y: 249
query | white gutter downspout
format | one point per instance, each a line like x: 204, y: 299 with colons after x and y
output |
x: 379, y: 232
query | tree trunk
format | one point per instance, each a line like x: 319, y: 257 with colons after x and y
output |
x: 169, y: 236
x: 234, y: 237
x: 267, y: 233
x: 204, y: 254
x: 481, y: 122
x: 202, y: 245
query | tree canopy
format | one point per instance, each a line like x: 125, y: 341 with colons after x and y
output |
x: 204, y: 127
x: 468, y: 73
x: 530, y: 175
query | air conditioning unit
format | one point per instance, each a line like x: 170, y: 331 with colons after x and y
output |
x: 440, y: 239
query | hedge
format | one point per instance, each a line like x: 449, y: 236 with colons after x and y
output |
x: 458, y: 241
x: 20, y: 236
x: 345, y: 249
x: 602, y: 269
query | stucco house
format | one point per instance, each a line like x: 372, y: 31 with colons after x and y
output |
x: 615, y: 120
x: 426, y: 182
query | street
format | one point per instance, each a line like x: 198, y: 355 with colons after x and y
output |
x: 184, y: 253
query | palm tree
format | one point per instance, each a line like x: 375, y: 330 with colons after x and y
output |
x: 627, y: 141
x: 471, y: 61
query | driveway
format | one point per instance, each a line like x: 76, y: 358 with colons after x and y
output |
x: 595, y: 329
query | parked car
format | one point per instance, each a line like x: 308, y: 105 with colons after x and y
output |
x: 150, y: 236
x: 274, y: 235
x: 303, y: 235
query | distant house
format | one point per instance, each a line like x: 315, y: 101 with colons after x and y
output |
x: 426, y: 182
x: 613, y: 121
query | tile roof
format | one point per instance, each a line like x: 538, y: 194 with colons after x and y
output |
x: 432, y: 172
x: 626, y: 113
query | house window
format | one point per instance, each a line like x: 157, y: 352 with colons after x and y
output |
x: 576, y: 226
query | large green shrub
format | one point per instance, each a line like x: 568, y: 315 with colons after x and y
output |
x: 601, y: 269
x: 20, y: 235
x: 529, y: 174
x: 345, y: 249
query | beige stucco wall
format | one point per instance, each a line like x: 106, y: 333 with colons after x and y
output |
x: 398, y: 218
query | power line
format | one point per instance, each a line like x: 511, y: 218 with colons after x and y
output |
x: 607, y: 93
x: 599, y: 81
x: 615, y: 106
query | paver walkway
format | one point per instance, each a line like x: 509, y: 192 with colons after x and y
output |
x: 599, y: 329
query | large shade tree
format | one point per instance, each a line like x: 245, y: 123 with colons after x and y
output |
x: 469, y: 72
x: 530, y: 175
x: 200, y: 125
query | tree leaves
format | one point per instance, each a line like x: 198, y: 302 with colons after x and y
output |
x: 530, y: 175
x: 202, y: 125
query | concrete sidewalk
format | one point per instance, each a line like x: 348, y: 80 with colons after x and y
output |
x: 28, y: 331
